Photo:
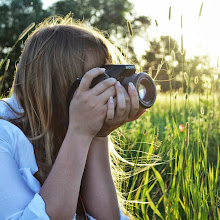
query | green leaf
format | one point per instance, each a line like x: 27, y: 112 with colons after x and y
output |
x: 160, y: 180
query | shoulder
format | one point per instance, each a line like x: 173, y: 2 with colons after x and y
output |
x: 15, y: 146
x: 9, y: 107
x: 13, y: 140
x: 9, y: 136
x: 7, y: 131
x: 4, y: 108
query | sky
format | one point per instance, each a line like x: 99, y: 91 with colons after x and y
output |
x: 201, y: 34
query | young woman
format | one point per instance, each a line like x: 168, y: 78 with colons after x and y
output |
x: 49, y: 170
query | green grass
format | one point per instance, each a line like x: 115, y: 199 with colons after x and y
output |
x: 186, y: 184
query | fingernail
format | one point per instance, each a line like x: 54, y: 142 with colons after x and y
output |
x: 131, y: 85
x: 103, y: 69
x: 111, y: 99
x: 118, y: 84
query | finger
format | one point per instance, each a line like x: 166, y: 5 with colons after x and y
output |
x: 127, y: 104
x: 104, y: 97
x: 88, y: 77
x: 110, y: 110
x: 120, y: 97
x: 134, y: 100
x: 102, y: 86
x: 115, y: 101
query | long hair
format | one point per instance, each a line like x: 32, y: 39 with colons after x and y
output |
x: 55, y: 54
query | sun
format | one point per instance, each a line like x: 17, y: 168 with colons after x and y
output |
x: 195, y: 20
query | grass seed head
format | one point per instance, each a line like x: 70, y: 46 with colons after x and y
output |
x: 196, y: 80
x: 26, y: 30
x: 7, y: 64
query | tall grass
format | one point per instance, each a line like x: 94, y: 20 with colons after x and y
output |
x: 187, y: 184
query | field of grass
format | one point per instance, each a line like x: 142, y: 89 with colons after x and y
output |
x: 185, y: 183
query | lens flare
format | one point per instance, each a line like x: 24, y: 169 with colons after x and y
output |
x: 142, y: 91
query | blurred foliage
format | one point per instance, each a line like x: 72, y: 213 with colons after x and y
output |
x: 164, y: 62
x: 108, y: 16
x: 105, y: 15
x: 173, y: 71
x: 164, y: 59
x: 15, y: 16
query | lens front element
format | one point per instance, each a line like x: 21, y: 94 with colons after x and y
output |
x: 146, y: 90
x: 145, y: 87
x: 142, y: 91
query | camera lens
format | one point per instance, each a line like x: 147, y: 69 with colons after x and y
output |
x: 145, y: 87
x: 142, y: 91
x: 146, y: 90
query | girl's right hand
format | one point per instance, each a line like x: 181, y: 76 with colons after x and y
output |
x: 88, y: 107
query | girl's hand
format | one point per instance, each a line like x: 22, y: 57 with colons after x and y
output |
x: 127, y: 109
x: 88, y: 107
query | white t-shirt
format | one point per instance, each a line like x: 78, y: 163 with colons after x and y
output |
x: 19, y: 189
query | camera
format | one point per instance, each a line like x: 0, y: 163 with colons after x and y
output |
x: 125, y: 73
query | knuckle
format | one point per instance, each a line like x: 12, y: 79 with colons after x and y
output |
x: 87, y: 76
x: 112, y: 105
x: 96, y: 70
x: 92, y: 105
x: 105, y: 82
x: 111, y: 81
x: 84, y: 98
x: 127, y: 100
x: 112, y: 91
x: 133, y: 92
x: 102, y: 111
x: 110, y: 117
x: 78, y: 95
x: 121, y: 108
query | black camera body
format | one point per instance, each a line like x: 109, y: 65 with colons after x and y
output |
x: 119, y: 72
x: 125, y: 73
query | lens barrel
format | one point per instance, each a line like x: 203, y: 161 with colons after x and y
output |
x: 145, y: 87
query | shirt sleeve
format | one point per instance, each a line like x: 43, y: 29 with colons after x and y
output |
x: 122, y: 216
x: 17, y: 200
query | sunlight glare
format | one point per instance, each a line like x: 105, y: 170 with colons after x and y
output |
x: 200, y: 34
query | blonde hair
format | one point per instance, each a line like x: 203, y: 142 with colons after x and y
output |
x: 55, y: 55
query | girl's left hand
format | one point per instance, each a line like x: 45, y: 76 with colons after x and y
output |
x: 127, y: 109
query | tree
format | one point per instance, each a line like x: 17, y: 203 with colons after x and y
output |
x: 172, y: 70
x: 164, y: 61
x: 111, y: 17
x: 108, y: 16
x: 200, y: 74
x: 15, y: 16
